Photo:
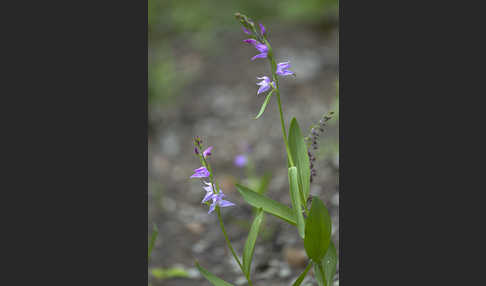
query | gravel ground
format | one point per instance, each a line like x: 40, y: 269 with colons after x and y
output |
x: 218, y: 104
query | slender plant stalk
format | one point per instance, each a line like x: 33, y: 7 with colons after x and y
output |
x: 231, y: 247
x: 282, y: 122
x: 213, y: 182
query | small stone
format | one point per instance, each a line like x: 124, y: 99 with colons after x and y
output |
x: 200, y: 246
x: 240, y: 280
x: 195, y: 228
x: 284, y: 272
x: 335, y: 199
x: 295, y: 257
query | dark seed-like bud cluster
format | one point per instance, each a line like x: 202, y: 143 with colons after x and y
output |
x: 314, y: 139
x: 245, y: 21
x: 197, y: 144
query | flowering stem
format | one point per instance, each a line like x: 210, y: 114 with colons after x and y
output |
x: 231, y: 247
x: 211, y: 178
x: 275, y: 78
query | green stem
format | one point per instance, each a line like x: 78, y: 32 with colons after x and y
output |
x: 284, y: 133
x: 273, y: 65
x: 221, y: 224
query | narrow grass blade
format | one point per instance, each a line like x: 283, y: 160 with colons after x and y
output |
x: 295, y: 198
x: 264, y: 105
x: 302, y: 275
x: 251, y: 240
x: 270, y: 206
x: 216, y: 281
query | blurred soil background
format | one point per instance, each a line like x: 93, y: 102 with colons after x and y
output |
x: 202, y: 82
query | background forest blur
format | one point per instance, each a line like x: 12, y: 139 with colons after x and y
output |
x: 202, y: 82
x: 195, y: 25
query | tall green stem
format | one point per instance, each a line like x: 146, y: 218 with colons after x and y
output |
x: 221, y: 224
x: 277, y: 90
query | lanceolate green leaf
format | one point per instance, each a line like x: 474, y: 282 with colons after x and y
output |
x: 216, y: 281
x: 302, y: 275
x: 264, y: 105
x: 329, y: 263
x: 251, y: 240
x: 298, y: 148
x: 295, y: 198
x: 317, y: 230
x: 270, y: 206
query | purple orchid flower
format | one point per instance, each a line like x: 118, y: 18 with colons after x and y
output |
x: 262, y: 29
x: 282, y: 69
x: 218, y: 201
x: 246, y: 31
x: 263, y: 49
x: 240, y: 161
x: 201, y: 172
x: 265, y: 84
x: 209, y: 192
x: 207, y: 152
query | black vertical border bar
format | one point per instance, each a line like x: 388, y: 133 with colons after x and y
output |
x: 77, y: 135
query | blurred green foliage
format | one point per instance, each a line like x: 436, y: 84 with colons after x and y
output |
x: 193, y: 23
x: 162, y: 273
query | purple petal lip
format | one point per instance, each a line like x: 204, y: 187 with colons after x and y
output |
x: 264, y: 84
x: 250, y: 41
x: 282, y: 69
x: 207, y: 197
x: 207, y: 152
x: 259, y: 46
x: 201, y: 172
x: 246, y: 31
x: 263, y: 88
x: 224, y: 203
x: 262, y: 56
x: 218, y: 201
x: 262, y: 29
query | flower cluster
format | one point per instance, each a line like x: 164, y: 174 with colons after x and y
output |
x: 259, y: 41
x: 212, y: 193
x: 316, y: 130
